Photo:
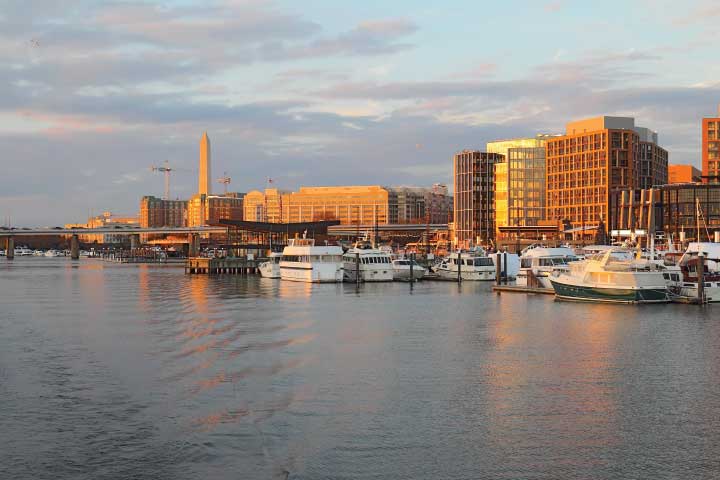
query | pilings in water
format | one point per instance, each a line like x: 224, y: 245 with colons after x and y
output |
x: 193, y: 245
x: 10, y: 248
x: 74, y: 247
x: 215, y: 266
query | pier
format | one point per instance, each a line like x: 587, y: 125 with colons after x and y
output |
x: 226, y: 265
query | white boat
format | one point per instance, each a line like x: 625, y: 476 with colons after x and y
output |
x: 472, y: 265
x: 689, y: 263
x: 615, y: 276
x: 303, y: 261
x: 38, y: 253
x: 271, y: 268
x: 2, y: 253
x: 23, y: 252
x: 401, y: 270
x: 53, y: 253
x: 373, y: 264
x: 539, y: 264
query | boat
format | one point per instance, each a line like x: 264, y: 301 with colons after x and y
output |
x: 615, y: 276
x: 53, y: 253
x: 303, y: 261
x: 373, y: 264
x: 538, y: 264
x: 271, y: 268
x: 23, y: 252
x: 689, y: 263
x: 2, y: 253
x: 474, y: 265
x: 401, y: 269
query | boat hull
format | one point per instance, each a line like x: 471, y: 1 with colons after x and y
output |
x: 467, y: 275
x: 712, y: 294
x: 586, y: 293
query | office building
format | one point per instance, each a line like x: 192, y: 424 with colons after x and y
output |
x: 156, y: 212
x: 595, y: 157
x: 365, y: 205
x: 711, y: 149
x: 683, y: 174
x: 519, y: 182
x: 473, y: 197
x: 210, y: 209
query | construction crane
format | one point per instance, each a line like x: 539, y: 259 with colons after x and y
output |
x: 166, y: 170
x: 225, y: 180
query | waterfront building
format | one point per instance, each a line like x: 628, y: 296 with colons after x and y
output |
x: 210, y: 209
x: 156, y: 212
x: 683, y: 174
x: 349, y: 204
x: 595, y: 157
x: 204, y: 171
x: 473, y: 197
x: 107, y: 219
x: 711, y: 149
x: 519, y: 182
x: 674, y: 210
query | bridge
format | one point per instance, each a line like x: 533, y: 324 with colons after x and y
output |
x: 193, y: 233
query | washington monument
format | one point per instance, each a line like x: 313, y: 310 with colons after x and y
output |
x: 204, y: 175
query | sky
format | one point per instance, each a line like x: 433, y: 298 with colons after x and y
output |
x: 322, y: 92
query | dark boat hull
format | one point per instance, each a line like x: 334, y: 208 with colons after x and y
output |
x: 610, y: 295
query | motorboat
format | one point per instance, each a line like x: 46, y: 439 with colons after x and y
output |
x: 474, y: 265
x: 303, y: 261
x: 539, y: 264
x: 23, y: 252
x: 54, y: 253
x: 614, y: 276
x: 271, y: 268
x: 373, y: 264
x: 689, y: 263
x: 401, y: 269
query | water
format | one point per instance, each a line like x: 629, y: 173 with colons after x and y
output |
x: 141, y: 372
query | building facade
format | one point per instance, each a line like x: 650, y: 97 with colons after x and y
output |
x: 676, y: 210
x: 473, y: 197
x: 711, y: 149
x: 593, y: 158
x: 366, y: 205
x: 156, y: 212
x: 519, y: 181
x: 210, y: 209
x: 107, y: 219
x: 683, y: 174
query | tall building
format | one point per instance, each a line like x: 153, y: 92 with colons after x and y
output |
x: 473, y: 200
x: 711, y: 149
x: 156, y: 212
x: 210, y: 209
x: 595, y: 157
x: 205, y: 176
x: 350, y: 204
x: 683, y: 174
x: 519, y: 181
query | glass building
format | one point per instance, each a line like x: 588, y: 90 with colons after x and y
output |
x: 519, y: 181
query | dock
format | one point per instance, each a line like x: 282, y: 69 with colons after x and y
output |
x: 519, y: 289
x: 227, y: 265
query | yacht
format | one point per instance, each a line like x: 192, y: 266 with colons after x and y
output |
x: 401, y: 269
x: 53, y: 253
x: 373, y: 264
x: 513, y: 263
x: 473, y: 266
x: 271, y: 268
x: 23, y: 252
x: 614, y: 276
x: 711, y: 273
x: 303, y: 261
x: 538, y: 264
